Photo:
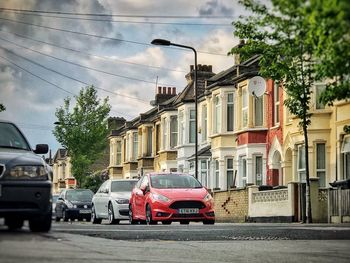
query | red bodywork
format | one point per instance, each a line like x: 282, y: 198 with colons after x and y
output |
x: 183, y: 204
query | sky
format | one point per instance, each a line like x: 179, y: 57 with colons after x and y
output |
x: 46, y: 57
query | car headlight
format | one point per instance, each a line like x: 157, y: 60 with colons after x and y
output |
x: 70, y: 205
x: 36, y: 172
x: 207, y: 197
x: 122, y: 201
x: 161, y: 198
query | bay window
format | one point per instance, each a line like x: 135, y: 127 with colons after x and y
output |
x: 230, y: 112
x: 217, y: 114
x: 173, y: 132
x: 192, y: 126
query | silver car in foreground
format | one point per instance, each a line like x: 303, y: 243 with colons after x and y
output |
x: 111, y: 201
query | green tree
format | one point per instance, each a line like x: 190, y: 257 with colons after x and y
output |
x: 93, y: 182
x: 2, y: 107
x: 83, y: 130
x: 280, y: 35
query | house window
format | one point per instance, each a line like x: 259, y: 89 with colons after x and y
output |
x: 276, y: 98
x: 127, y: 148
x: 157, y: 138
x: 258, y: 170
x: 217, y: 114
x: 192, y: 126
x: 318, y: 90
x: 135, y: 146
x: 119, y: 153
x: 244, y: 108
x: 173, y: 132
x: 321, y: 163
x: 204, y: 123
x: 243, y: 170
x: 217, y: 174
x: 259, y: 110
x: 229, y: 173
x: 301, y: 164
x: 230, y: 112
x: 345, y: 150
x: 181, y: 128
x: 111, y: 148
x: 149, y: 141
x: 204, y: 172
x: 165, y: 133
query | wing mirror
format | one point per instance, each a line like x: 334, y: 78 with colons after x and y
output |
x: 41, y: 149
x: 144, y: 188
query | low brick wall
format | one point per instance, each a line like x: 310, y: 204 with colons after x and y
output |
x: 231, y: 206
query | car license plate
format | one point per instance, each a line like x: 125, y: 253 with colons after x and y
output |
x: 188, y: 211
x: 85, y: 211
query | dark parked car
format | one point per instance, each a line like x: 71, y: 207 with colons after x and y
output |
x: 74, y: 204
x: 25, y: 181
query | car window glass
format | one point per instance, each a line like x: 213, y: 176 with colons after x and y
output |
x: 102, y: 187
x: 79, y: 195
x: 138, y: 184
x: 174, y: 181
x: 145, y: 181
x: 11, y: 137
x: 122, y: 186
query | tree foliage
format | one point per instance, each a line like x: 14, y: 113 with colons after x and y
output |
x: 83, y: 130
x: 300, y: 42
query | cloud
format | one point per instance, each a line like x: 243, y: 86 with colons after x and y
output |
x: 215, y: 7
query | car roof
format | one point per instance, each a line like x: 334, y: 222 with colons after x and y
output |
x: 121, y: 180
x: 167, y: 173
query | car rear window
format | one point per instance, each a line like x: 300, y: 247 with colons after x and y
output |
x: 174, y: 181
x: 123, y: 186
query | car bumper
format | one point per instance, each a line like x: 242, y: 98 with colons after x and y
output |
x: 162, y: 212
x: 78, y: 212
x: 121, y: 211
x: 25, y: 199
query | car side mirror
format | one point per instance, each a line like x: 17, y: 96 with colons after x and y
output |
x: 41, y: 149
x: 144, y: 188
x: 60, y: 199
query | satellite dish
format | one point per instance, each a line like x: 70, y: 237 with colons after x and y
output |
x: 257, y: 86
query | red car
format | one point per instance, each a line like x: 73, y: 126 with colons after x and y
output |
x: 168, y: 197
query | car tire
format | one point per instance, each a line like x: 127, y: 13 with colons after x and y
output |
x: 40, y: 224
x: 57, y: 219
x: 111, y: 219
x: 132, y: 221
x: 14, y: 223
x: 149, y: 219
x: 208, y: 222
x: 184, y: 222
x: 166, y: 222
x: 64, y: 216
x: 94, y: 218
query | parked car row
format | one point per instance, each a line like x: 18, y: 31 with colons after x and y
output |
x: 155, y: 197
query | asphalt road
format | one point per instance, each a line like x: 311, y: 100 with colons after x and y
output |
x: 84, y: 242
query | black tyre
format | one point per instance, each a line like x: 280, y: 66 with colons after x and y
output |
x: 111, y: 219
x: 208, y: 222
x: 149, y: 219
x: 94, y: 218
x: 166, y: 222
x: 184, y: 222
x: 14, y: 223
x: 65, y: 216
x: 40, y: 224
x: 57, y: 219
x: 132, y: 221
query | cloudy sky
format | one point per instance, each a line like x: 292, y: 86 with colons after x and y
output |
x: 45, y: 57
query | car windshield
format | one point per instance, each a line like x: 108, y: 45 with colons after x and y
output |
x: 174, y: 181
x: 10, y: 137
x: 122, y: 186
x: 79, y: 195
x: 54, y: 198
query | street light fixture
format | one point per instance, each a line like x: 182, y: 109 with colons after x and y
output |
x: 164, y: 42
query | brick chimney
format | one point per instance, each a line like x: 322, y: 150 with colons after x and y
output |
x: 236, y: 56
x: 163, y: 94
x: 115, y: 123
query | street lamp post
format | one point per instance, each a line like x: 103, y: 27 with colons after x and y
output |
x: 164, y: 42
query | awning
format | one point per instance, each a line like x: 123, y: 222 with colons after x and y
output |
x: 345, y: 148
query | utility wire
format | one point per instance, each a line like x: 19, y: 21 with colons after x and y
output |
x: 121, y: 21
x: 101, y: 37
x: 92, y: 55
x: 113, y: 15
x: 72, y: 78
x: 82, y: 66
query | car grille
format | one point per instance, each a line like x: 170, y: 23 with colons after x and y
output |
x: 124, y: 212
x: 82, y: 206
x: 187, y: 204
x: 2, y: 169
x: 187, y: 215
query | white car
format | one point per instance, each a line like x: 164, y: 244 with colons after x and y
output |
x: 111, y: 201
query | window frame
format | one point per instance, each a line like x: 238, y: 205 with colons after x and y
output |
x: 322, y: 183
x: 229, y: 169
x: 192, y: 125
x: 276, y: 99
x: 217, y: 114
x: 230, y: 106
x: 173, y: 131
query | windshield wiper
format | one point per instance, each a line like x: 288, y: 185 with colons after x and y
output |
x: 13, y: 147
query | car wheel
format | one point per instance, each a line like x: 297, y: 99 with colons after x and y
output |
x: 111, y: 218
x: 64, y: 216
x: 94, y: 218
x: 57, y: 219
x: 149, y: 219
x: 132, y: 221
x: 208, y: 222
x: 166, y: 222
x: 184, y: 222
x: 14, y: 223
x: 40, y: 224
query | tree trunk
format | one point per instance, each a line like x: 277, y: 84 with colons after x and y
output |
x: 307, y: 173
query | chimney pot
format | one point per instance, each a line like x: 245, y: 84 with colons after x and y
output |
x: 164, y: 90
x: 169, y: 90
x: 159, y: 90
x: 210, y: 68
x: 174, y: 90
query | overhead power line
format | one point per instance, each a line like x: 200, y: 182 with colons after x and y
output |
x: 120, y: 21
x: 98, y: 36
x: 79, y: 65
x: 115, y: 15
x: 93, y: 55
x: 72, y: 78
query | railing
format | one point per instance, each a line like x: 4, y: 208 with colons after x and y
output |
x: 338, y: 204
